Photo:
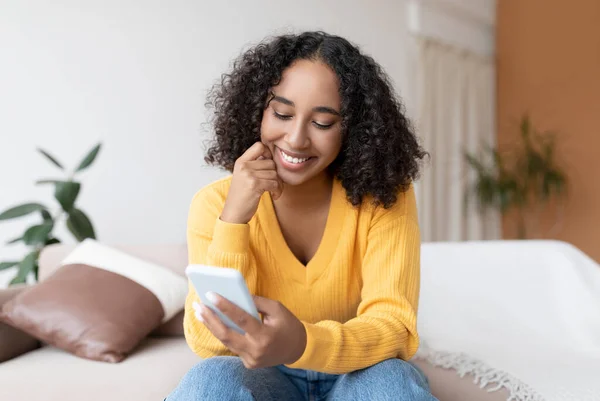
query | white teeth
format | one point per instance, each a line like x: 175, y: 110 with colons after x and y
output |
x: 294, y: 160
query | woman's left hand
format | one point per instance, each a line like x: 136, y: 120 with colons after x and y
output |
x: 279, y: 339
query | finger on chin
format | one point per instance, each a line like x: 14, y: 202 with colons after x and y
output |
x: 267, y: 153
x: 253, y: 151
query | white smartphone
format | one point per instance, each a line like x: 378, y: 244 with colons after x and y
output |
x: 226, y: 282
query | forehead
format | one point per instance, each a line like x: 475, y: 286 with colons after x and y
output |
x: 309, y: 83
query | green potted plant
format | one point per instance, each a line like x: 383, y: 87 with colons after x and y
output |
x: 40, y: 234
x: 522, y: 179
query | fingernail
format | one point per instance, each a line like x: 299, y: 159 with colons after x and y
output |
x: 196, y: 306
x: 199, y: 317
x: 211, y: 296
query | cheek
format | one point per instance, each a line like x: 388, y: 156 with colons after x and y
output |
x: 268, y: 130
x: 330, y: 145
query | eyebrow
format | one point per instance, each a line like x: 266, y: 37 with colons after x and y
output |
x: 318, y: 109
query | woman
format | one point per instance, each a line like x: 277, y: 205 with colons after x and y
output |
x: 319, y: 216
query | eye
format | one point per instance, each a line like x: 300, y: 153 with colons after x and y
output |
x: 281, y: 116
x: 321, y: 126
x: 316, y: 124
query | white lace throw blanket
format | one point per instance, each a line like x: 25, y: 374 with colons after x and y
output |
x: 524, y: 315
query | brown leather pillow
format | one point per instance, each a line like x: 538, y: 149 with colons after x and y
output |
x: 99, y: 305
x: 13, y: 342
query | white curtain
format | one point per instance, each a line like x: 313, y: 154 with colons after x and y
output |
x: 456, y: 113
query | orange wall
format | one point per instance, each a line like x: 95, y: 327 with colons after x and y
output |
x: 549, y: 65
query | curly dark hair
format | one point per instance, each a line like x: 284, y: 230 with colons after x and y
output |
x: 380, y: 154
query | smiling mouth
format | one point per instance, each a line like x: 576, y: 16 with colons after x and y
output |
x: 292, y: 159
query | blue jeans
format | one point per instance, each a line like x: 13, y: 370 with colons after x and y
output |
x: 226, y: 378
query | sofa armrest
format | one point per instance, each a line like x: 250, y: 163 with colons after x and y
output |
x: 13, y: 342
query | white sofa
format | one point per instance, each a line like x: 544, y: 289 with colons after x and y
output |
x: 154, y: 369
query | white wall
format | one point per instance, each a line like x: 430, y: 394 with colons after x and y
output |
x: 133, y: 74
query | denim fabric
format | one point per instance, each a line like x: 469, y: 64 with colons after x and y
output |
x: 226, y: 378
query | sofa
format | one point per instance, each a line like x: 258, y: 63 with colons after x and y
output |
x: 31, y: 371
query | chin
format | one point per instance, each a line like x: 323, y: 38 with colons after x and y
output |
x: 293, y: 178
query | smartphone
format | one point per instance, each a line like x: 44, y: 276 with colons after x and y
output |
x: 226, y: 282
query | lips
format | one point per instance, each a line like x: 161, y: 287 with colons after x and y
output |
x: 293, y: 161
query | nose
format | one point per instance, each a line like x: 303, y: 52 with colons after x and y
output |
x: 297, y: 137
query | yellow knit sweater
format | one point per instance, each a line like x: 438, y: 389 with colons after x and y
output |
x: 357, y: 297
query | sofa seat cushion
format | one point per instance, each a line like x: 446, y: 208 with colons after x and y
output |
x: 151, y: 372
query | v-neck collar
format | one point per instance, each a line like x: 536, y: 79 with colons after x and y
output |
x: 286, y: 260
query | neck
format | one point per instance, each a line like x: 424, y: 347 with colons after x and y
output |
x: 310, y: 194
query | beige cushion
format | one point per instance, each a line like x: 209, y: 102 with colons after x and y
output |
x: 50, y: 374
x: 13, y: 342
x: 152, y: 372
x: 171, y: 256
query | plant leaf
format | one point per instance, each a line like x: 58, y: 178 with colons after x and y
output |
x: 475, y: 163
x: 51, y: 158
x: 8, y: 265
x: 553, y: 183
x: 525, y: 126
x: 80, y: 225
x: 37, y: 234
x: 14, y: 241
x: 486, y: 190
x: 41, y: 182
x: 52, y: 240
x: 18, y: 280
x: 519, y: 176
x: 21, y: 210
x: 26, y: 266
x: 47, y: 216
x: 66, y: 193
x: 497, y: 158
x: 89, y: 159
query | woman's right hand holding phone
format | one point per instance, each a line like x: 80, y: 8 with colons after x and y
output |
x: 254, y: 173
